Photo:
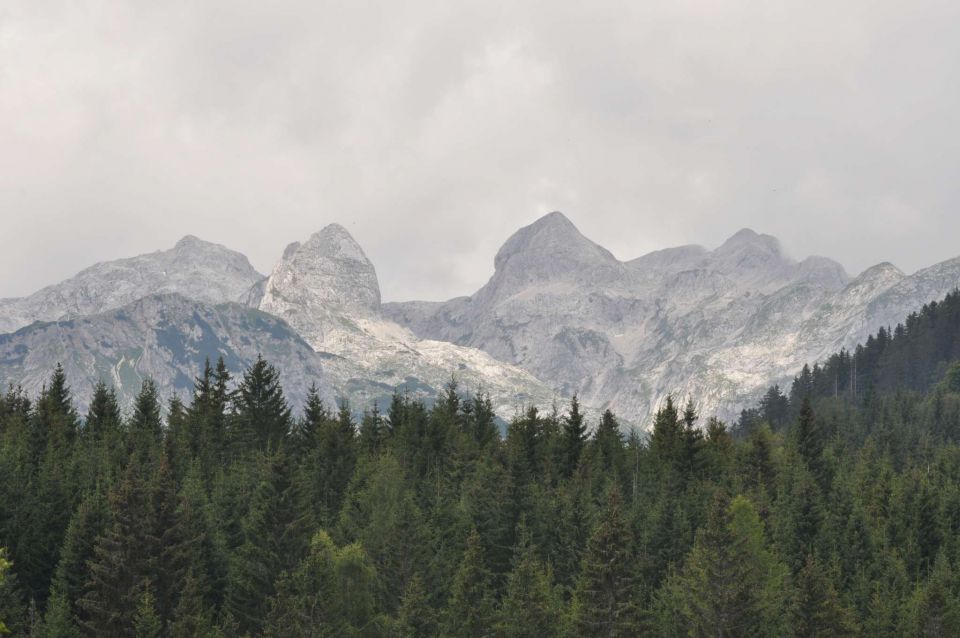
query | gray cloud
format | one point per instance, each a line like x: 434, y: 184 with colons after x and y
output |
x: 433, y: 130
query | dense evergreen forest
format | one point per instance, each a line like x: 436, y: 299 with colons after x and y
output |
x: 830, y: 510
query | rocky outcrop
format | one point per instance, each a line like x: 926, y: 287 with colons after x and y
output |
x: 716, y: 325
x: 165, y: 337
x: 193, y: 268
x: 327, y: 289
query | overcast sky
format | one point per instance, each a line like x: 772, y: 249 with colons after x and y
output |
x: 433, y: 130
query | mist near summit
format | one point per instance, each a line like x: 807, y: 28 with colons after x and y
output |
x: 433, y: 133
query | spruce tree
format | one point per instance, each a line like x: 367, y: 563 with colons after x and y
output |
x: 810, y: 441
x: 269, y: 545
x: 88, y: 522
x: 818, y: 610
x: 416, y: 618
x: 329, y: 594
x: 146, y: 622
x: 470, y: 610
x: 59, y: 621
x: 606, y: 599
x: 103, y: 419
x: 573, y: 438
x: 146, y: 425
x: 123, y: 563
x: 262, y: 416
x: 731, y: 584
x: 531, y: 604
x: 12, y: 616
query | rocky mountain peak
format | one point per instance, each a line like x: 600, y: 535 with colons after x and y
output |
x: 197, y: 269
x: 748, y: 239
x: 335, y: 243
x: 327, y: 276
x: 190, y: 241
x: 822, y: 271
x: 550, y: 249
x: 883, y: 270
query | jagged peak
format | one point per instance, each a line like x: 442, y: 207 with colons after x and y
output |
x: 884, y: 267
x: 552, y: 236
x: 554, y: 219
x: 328, y: 272
x: 290, y: 250
x: 823, y: 270
x: 882, y: 272
x: 192, y: 242
x: 333, y: 240
x: 747, y: 237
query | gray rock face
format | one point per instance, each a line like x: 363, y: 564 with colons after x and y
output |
x: 165, y: 337
x: 321, y: 283
x: 327, y: 290
x: 719, y: 326
x: 193, y: 268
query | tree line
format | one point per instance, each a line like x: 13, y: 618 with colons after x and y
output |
x: 825, y: 511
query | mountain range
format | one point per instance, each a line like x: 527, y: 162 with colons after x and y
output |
x: 561, y: 315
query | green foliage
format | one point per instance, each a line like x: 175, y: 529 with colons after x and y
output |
x: 146, y: 622
x: 416, y: 618
x: 846, y: 519
x: 531, y: 606
x: 818, y: 610
x: 605, y: 602
x: 4, y: 567
x: 470, y: 611
x: 731, y: 583
x: 331, y: 593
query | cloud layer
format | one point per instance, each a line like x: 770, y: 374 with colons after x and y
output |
x: 433, y: 130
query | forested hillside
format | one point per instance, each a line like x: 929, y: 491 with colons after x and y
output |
x: 831, y: 510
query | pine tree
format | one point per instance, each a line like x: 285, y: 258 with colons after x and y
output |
x: 573, y: 438
x: 483, y: 427
x: 206, y: 418
x: 329, y: 594
x: 146, y: 622
x: 123, y: 563
x: 810, y: 441
x: 531, y: 604
x: 608, y: 447
x: 58, y: 621
x: 308, y: 427
x: 731, y: 584
x: 11, y: 607
x: 56, y: 414
x: 146, y: 425
x: 818, y: 610
x: 103, y: 419
x: 192, y: 618
x: 606, y: 599
x: 262, y: 416
x: 416, y: 617
x: 371, y: 430
x: 383, y: 517
x: 50, y: 490
x: 934, y: 608
x: 330, y: 465
x: 666, y: 440
x: 268, y: 546
x: 691, y: 443
x: 470, y: 610
x: 86, y: 525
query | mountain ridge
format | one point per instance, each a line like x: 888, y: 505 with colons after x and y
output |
x: 686, y: 321
x: 561, y: 315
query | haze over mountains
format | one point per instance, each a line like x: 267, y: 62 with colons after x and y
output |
x: 719, y: 325
x: 560, y: 315
x: 161, y: 315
